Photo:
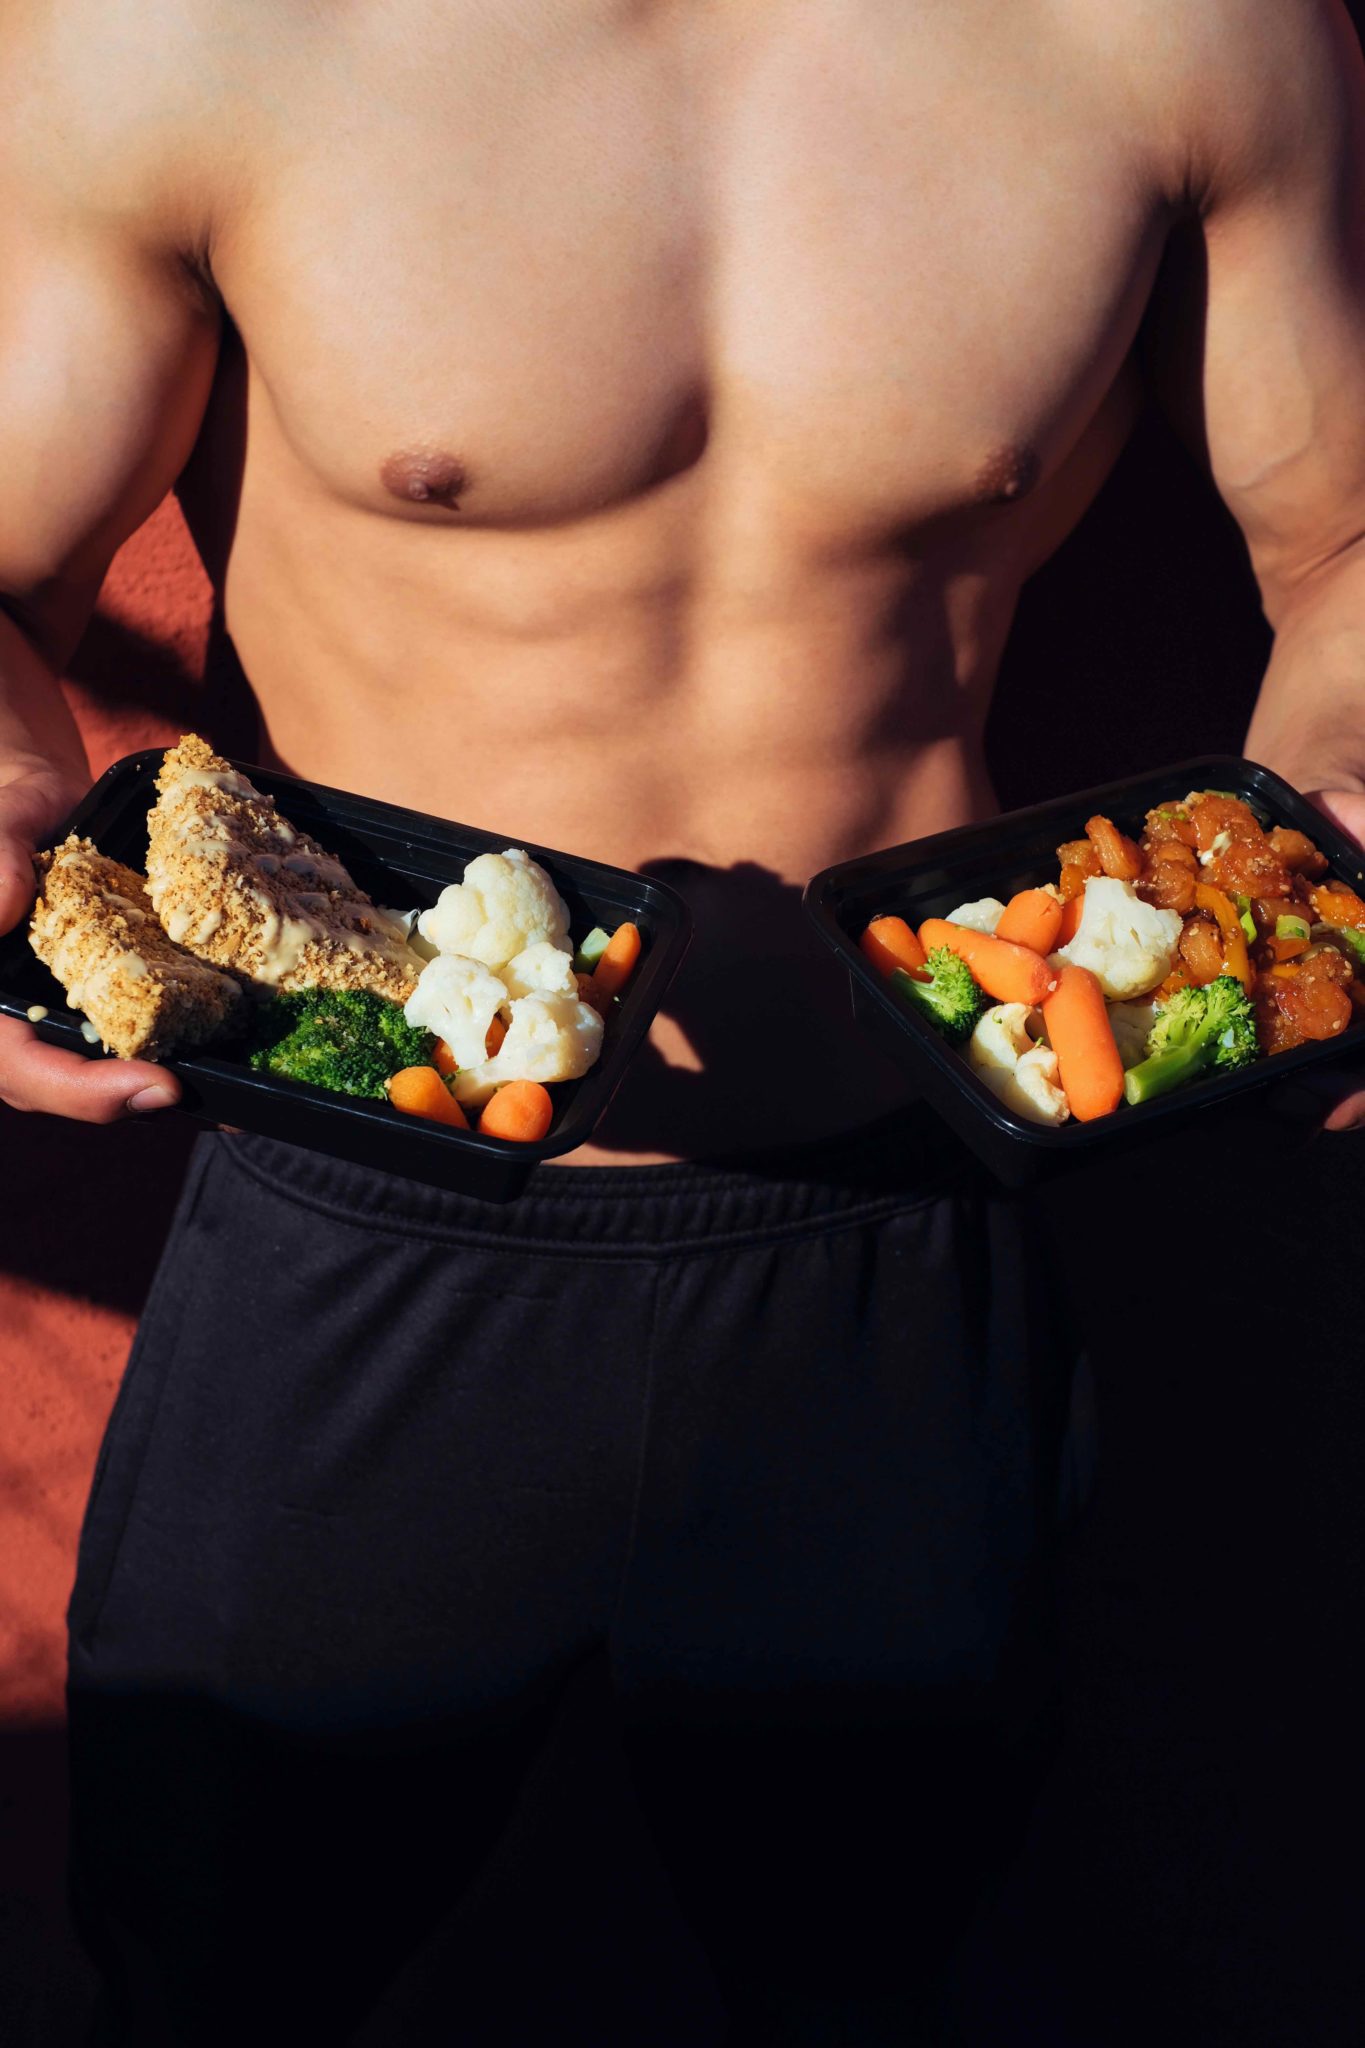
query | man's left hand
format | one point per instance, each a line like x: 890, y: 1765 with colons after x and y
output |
x: 1336, y: 1100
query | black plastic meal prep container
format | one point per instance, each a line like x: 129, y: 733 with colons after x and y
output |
x: 928, y: 877
x: 401, y: 859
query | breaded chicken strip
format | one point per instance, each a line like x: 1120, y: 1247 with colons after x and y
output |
x: 236, y: 883
x: 95, y: 927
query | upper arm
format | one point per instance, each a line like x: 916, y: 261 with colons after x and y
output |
x: 107, y: 349
x: 1259, y: 325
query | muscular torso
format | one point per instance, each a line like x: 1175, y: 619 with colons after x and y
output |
x: 645, y: 417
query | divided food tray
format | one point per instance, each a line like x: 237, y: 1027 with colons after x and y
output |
x: 401, y: 858
x: 928, y: 877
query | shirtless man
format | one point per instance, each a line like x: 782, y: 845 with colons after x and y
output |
x: 628, y: 428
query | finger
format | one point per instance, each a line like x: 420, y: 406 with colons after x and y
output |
x: 35, y: 1076
x: 16, y: 881
x: 1346, y: 809
x: 32, y: 805
x: 1348, y: 1115
x: 1330, y: 1102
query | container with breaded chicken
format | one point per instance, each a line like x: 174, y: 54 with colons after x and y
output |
x: 386, y: 986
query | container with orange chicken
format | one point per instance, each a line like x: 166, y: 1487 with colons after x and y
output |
x: 1203, y: 939
x: 1110, y: 963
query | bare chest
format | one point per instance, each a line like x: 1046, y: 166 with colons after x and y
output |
x: 529, y: 274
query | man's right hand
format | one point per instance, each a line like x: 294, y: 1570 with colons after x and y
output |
x: 35, y: 796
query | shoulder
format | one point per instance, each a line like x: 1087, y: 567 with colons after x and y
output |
x: 133, y: 112
x: 1231, y: 95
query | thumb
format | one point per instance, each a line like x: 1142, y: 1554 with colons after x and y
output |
x: 1346, y: 808
x: 31, y: 808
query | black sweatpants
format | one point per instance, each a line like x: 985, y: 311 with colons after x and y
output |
x: 784, y: 1443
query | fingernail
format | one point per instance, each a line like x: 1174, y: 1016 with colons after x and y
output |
x: 151, y: 1098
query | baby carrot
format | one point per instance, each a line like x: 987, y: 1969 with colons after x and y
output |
x: 1012, y: 974
x: 493, y: 1038
x: 420, y: 1091
x: 1080, y: 1034
x: 614, y: 969
x: 1072, y: 912
x: 1032, y: 918
x: 521, y: 1110
x: 889, y: 943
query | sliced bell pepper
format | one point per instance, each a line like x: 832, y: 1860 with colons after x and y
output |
x: 1236, y: 959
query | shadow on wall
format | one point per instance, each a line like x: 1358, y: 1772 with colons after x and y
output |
x: 1141, y: 641
x: 91, y: 1206
x: 133, y: 677
x: 124, y: 682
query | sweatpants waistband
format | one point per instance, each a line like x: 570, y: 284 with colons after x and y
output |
x: 900, y: 1161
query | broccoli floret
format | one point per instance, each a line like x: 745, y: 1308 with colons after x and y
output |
x: 1199, y: 1030
x: 950, y: 998
x: 348, y: 1040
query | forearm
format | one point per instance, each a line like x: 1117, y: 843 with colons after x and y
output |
x: 1309, y: 721
x: 36, y: 725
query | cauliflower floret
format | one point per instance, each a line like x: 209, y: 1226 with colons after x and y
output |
x: 1002, y: 1035
x: 1015, y: 1066
x: 1127, y: 944
x: 1132, y: 1027
x: 1038, y: 1092
x: 978, y: 917
x: 542, y: 969
x: 458, y: 1000
x: 550, y: 1038
x: 505, y: 904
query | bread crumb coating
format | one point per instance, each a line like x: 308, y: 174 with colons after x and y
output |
x: 238, y: 885
x: 95, y: 927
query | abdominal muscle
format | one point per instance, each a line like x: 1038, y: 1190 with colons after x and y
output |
x: 728, y: 733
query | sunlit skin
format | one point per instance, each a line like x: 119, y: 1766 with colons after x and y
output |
x: 628, y: 428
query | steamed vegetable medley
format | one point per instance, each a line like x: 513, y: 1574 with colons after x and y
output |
x: 504, y: 1007
x: 1149, y: 963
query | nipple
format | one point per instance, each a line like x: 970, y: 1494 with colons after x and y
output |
x: 1008, y: 474
x: 684, y: 442
x: 425, y: 477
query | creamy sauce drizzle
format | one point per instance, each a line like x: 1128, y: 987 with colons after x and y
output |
x: 297, y: 898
